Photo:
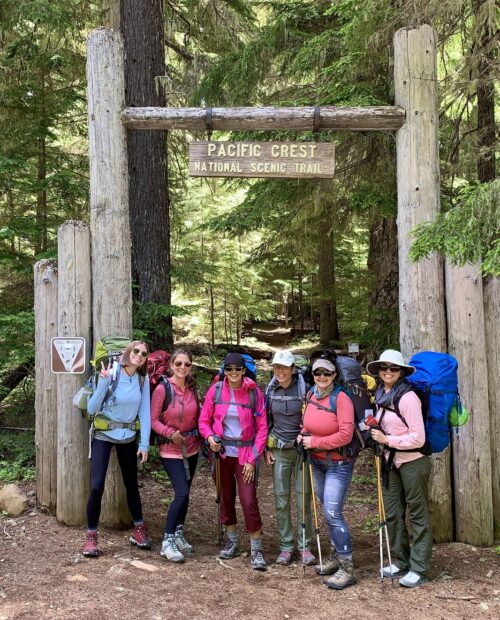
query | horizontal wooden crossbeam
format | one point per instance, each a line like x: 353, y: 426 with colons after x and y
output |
x: 380, y: 118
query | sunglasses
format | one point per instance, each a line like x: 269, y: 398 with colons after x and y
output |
x: 233, y: 368
x: 391, y: 368
x: 178, y: 364
x: 320, y: 371
x: 137, y: 351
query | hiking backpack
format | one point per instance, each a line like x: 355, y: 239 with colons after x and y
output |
x: 158, y: 365
x: 435, y: 382
x: 107, y: 350
x: 269, y: 395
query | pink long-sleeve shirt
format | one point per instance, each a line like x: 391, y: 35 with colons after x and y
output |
x: 399, y: 435
x: 253, y: 424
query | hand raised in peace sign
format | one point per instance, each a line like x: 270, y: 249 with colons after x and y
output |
x: 106, y: 371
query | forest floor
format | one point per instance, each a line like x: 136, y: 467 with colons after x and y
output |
x: 43, y: 574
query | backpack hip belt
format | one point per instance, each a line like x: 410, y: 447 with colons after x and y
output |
x: 329, y: 453
x: 102, y: 423
x: 237, y: 443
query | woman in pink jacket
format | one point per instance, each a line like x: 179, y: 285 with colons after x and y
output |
x: 233, y: 421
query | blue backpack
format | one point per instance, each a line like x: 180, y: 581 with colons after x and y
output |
x: 435, y: 382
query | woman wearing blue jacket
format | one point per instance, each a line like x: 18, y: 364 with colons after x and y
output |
x: 121, y: 396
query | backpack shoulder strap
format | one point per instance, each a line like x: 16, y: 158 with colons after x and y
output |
x: 218, y: 393
x: 169, y: 396
x: 252, y: 400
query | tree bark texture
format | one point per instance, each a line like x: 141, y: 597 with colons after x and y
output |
x: 143, y: 32
x: 328, y: 322
x: 382, y: 118
x: 110, y: 232
x: 491, y: 293
x: 74, y: 317
x: 471, y: 447
x: 421, y: 285
x: 45, y: 383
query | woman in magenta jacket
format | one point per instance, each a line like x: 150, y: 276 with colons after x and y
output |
x: 233, y: 421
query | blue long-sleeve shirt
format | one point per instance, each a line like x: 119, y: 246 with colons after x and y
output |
x: 125, y: 405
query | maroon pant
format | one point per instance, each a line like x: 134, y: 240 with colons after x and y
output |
x: 231, y: 474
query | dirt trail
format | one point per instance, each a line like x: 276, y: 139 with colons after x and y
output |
x: 43, y: 575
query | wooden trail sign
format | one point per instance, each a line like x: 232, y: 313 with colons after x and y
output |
x: 287, y: 160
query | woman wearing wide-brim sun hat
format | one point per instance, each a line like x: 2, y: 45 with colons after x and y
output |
x: 402, y: 434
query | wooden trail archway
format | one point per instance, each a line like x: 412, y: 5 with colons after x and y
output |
x: 422, y: 290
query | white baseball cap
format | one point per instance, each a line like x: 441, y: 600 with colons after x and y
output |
x: 284, y: 358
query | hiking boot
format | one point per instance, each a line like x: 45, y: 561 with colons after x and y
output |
x: 284, y: 558
x: 307, y: 558
x: 343, y: 577
x: 90, y: 545
x: 392, y: 570
x: 331, y: 566
x: 412, y: 580
x: 181, y: 542
x: 140, y: 537
x: 231, y: 550
x: 257, y: 560
x: 170, y: 550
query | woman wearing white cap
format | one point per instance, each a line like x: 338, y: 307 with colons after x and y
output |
x: 327, y: 428
x: 284, y: 398
x: 399, y: 413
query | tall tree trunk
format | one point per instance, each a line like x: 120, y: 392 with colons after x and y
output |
x: 142, y: 27
x: 41, y: 198
x: 301, y: 303
x: 212, y: 316
x: 384, y: 299
x: 328, y: 327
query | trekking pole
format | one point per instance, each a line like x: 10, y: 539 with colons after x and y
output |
x: 382, y: 527
x: 303, y: 524
x: 218, y: 491
x: 316, y: 522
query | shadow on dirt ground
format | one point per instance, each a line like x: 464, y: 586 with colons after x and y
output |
x: 43, y: 575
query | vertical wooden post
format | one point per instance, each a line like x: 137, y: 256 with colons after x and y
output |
x: 471, y: 448
x: 421, y: 285
x: 491, y: 293
x: 45, y: 383
x: 111, y: 248
x: 74, y: 314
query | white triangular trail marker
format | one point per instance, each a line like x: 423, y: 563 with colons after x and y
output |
x: 68, y: 350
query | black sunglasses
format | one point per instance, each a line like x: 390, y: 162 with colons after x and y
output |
x: 178, y: 364
x: 137, y: 351
x: 391, y: 368
x: 233, y: 368
x: 322, y: 371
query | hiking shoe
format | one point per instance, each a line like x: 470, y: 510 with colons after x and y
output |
x: 257, y: 560
x: 90, y: 545
x: 412, y: 580
x: 231, y: 550
x: 170, y: 550
x: 343, y: 578
x: 140, y: 537
x: 331, y: 566
x: 392, y: 570
x: 307, y: 558
x: 181, y: 542
x: 284, y: 558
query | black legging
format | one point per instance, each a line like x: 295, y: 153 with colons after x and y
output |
x: 127, y: 459
x: 177, y: 511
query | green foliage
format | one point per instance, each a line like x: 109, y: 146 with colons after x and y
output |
x: 17, y: 337
x: 17, y: 456
x: 468, y: 232
x: 150, y: 320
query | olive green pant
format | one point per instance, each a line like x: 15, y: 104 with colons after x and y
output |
x: 409, y: 488
x: 288, y: 462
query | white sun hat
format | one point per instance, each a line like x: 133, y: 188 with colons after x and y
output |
x: 284, y: 357
x: 390, y: 356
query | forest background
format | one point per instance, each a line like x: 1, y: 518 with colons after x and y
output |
x: 321, y: 254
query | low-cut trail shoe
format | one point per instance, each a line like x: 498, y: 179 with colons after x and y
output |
x: 170, y: 550
x: 90, y: 545
x: 181, y: 542
x: 140, y: 538
x: 307, y: 558
x: 257, y: 560
x: 231, y: 550
x: 284, y: 558
x: 412, y: 580
x: 331, y: 566
x: 392, y: 570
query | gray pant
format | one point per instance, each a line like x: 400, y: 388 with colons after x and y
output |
x: 408, y: 487
x: 288, y: 461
